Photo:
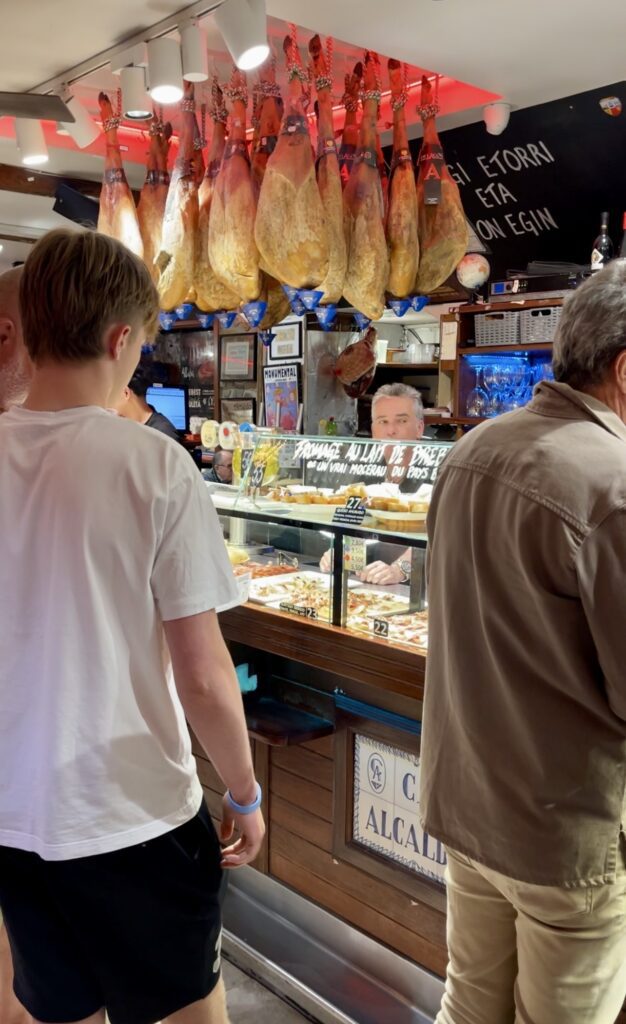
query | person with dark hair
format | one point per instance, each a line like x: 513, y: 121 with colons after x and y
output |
x: 132, y: 404
x: 523, y: 757
x: 112, y: 569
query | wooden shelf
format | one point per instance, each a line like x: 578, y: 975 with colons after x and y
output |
x: 275, y: 723
x: 420, y: 367
x: 508, y: 307
x: 442, y: 421
x: 489, y: 350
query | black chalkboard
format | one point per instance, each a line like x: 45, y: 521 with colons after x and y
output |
x: 536, y: 192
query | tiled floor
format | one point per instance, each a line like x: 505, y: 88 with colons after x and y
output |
x: 250, y: 1003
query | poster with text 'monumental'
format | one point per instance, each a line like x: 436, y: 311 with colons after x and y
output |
x: 281, y: 396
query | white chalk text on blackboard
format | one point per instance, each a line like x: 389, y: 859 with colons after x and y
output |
x: 495, y: 194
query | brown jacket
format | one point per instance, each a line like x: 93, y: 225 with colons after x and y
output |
x: 524, y: 734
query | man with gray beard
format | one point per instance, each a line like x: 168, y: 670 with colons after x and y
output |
x: 15, y: 367
x: 15, y: 374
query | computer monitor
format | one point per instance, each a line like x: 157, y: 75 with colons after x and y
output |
x: 170, y: 402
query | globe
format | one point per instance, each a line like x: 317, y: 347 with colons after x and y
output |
x: 473, y: 271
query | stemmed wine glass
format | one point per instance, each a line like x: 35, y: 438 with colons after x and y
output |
x: 477, y: 400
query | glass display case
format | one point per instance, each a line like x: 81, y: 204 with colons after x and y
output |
x: 333, y: 530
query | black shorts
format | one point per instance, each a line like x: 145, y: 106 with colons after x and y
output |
x: 137, y: 931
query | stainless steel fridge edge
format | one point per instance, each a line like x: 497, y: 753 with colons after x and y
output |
x: 321, y: 964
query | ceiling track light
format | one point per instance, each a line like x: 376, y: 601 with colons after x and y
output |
x: 165, y: 71
x: 31, y: 142
x: 83, y: 129
x: 136, y: 104
x: 243, y: 24
x: 194, y: 52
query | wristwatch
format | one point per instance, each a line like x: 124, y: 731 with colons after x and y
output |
x: 405, y: 568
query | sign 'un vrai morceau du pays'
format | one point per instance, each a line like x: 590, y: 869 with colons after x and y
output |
x: 386, y: 804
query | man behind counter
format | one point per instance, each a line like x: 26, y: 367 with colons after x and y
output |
x: 397, y: 415
x: 132, y: 405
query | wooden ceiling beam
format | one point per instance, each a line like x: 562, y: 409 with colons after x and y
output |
x: 31, y: 182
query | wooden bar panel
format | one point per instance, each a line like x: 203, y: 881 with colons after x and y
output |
x: 301, y: 793
x: 325, y: 746
x: 413, y: 946
x: 301, y: 822
x: 379, y: 896
x: 304, y: 763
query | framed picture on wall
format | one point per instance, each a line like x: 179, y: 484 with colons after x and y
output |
x: 286, y: 343
x: 239, y: 410
x: 238, y: 357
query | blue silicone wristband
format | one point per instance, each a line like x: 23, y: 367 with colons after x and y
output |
x: 245, y: 808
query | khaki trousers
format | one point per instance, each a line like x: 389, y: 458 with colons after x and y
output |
x: 532, y: 954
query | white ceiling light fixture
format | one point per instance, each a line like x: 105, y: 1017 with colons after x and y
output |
x: 83, y: 129
x: 136, y: 103
x: 165, y: 70
x: 496, y: 116
x: 243, y: 24
x: 31, y: 142
x: 194, y: 53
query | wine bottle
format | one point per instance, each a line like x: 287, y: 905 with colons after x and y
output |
x: 622, y: 248
x: 602, y: 250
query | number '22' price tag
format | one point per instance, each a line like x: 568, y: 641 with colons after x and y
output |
x: 380, y: 627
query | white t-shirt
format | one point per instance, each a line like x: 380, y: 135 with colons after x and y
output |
x: 106, y: 530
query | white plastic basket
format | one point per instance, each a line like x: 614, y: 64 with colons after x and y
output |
x: 539, y: 325
x: 497, y: 328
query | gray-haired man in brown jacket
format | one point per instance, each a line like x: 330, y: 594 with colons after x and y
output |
x: 524, y: 733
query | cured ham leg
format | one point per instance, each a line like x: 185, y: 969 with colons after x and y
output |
x: 290, y: 227
x: 382, y: 174
x: 266, y: 136
x: 211, y: 293
x: 151, y: 206
x: 176, y: 257
x: 442, y: 226
x: 232, y: 250
x: 329, y: 178
x: 368, y: 260
x: 402, y: 216
x: 350, y: 138
x: 270, y: 117
x: 118, y: 214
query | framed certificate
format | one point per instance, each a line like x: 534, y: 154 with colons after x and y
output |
x: 238, y: 357
x: 286, y: 343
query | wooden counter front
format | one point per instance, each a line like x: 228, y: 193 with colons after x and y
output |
x: 392, y: 668
x: 304, y: 785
